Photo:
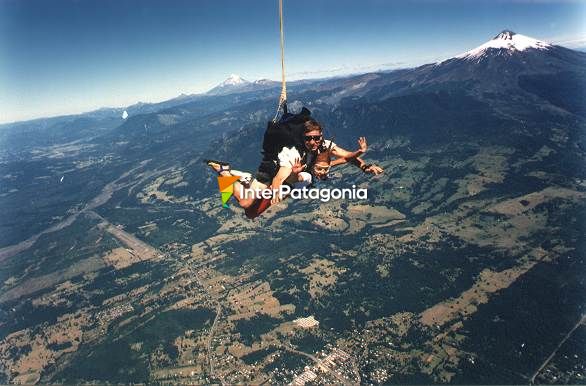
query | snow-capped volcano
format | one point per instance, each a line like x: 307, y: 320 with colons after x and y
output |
x: 507, y: 63
x: 506, y: 42
x: 234, y: 80
x: 237, y: 84
x: 233, y: 83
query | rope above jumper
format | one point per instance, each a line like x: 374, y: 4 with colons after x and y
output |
x: 283, y: 97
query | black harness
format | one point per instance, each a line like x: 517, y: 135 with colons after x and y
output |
x: 286, y: 132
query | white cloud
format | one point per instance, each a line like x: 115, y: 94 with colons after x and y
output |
x: 576, y: 42
x: 345, y: 69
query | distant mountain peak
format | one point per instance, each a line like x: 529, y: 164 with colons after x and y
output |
x: 233, y: 83
x: 236, y: 84
x: 507, y: 42
x: 233, y: 80
x: 505, y: 35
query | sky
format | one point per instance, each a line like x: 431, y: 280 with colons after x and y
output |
x: 69, y: 56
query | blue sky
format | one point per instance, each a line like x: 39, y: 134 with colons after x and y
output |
x: 69, y: 56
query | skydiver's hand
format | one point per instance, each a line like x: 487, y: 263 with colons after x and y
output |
x: 374, y: 169
x: 298, y: 167
x: 276, y: 199
x: 362, y: 145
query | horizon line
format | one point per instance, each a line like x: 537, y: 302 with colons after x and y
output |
x: 574, y: 43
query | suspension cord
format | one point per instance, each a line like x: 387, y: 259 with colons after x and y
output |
x: 283, y: 96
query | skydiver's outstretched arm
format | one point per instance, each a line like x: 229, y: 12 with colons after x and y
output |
x: 366, y: 168
x: 354, y: 158
x: 343, y: 153
x: 278, y: 180
x: 338, y: 161
x: 359, y: 163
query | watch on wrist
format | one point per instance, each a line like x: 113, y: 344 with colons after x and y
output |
x: 365, y: 166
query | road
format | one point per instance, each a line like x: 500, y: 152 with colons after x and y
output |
x: 210, y: 337
x: 142, y: 249
x: 95, y: 202
x: 549, y: 358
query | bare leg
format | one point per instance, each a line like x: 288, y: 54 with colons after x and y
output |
x: 243, y: 201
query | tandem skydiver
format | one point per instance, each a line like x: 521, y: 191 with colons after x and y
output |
x: 294, y: 152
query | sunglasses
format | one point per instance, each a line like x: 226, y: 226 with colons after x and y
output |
x: 314, y: 137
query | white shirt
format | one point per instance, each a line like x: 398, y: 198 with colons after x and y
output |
x: 287, y: 156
